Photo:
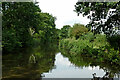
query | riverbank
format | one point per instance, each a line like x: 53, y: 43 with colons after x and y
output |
x: 94, y: 46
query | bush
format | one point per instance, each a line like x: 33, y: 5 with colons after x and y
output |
x: 95, y: 46
x: 77, y: 31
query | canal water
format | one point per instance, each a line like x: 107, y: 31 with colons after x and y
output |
x: 65, y: 69
x: 50, y: 63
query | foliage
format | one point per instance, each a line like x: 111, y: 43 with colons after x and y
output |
x: 115, y: 41
x: 100, y: 41
x: 91, y: 45
x: 46, y: 30
x: 77, y: 30
x: 64, y: 31
x: 104, y: 16
x: 23, y: 23
x: 82, y: 61
x: 17, y: 19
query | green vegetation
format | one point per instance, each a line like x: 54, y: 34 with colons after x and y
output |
x: 104, y: 18
x: 24, y: 24
x: 64, y: 32
x: 99, y: 11
x: 77, y: 31
x: 85, y: 61
x: 88, y: 44
x: 102, y: 40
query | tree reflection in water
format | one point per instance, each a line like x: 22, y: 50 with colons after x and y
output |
x: 112, y: 71
x: 18, y: 65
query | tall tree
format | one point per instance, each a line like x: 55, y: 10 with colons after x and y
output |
x: 77, y: 30
x: 64, y: 31
x: 17, y: 19
x: 24, y: 21
x: 47, y: 25
x: 104, y: 16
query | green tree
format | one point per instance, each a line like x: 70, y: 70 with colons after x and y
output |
x: 18, y: 18
x: 47, y: 26
x: 114, y: 40
x: 23, y: 22
x: 64, y: 31
x: 104, y: 16
x: 78, y: 30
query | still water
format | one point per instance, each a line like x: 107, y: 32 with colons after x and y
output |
x: 65, y: 69
x: 50, y: 63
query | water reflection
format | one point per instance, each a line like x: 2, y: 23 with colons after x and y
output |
x: 28, y: 64
x: 92, y: 64
x: 41, y: 62
x: 66, y: 69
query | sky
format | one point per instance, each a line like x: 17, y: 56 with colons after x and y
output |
x: 63, y: 11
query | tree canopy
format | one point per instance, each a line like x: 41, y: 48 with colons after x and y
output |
x: 104, y: 16
x: 77, y: 30
x: 24, y: 21
x: 64, y: 31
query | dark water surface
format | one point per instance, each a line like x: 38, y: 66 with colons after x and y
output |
x: 49, y: 63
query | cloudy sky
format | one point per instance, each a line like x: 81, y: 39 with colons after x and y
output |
x: 63, y: 11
